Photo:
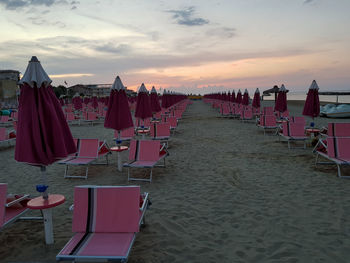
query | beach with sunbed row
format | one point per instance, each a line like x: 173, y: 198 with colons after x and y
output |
x: 227, y: 194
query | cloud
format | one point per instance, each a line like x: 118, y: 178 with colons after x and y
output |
x: 308, y: 1
x: 222, y: 32
x: 19, y: 4
x: 185, y: 17
x: 111, y: 48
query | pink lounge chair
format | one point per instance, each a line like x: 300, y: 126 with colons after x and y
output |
x: 11, y: 207
x: 339, y: 129
x: 90, y: 117
x: 337, y: 151
x: 268, y: 122
x: 106, y: 220
x: 5, y: 121
x: 125, y: 135
x: 5, y: 138
x: 298, y: 119
x: 89, y: 151
x: 161, y: 131
x: 225, y: 110
x: 293, y: 132
x: 247, y: 114
x: 145, y: 154
x: 173, y: 123
x: 267, y: 111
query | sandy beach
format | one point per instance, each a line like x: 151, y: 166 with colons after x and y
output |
x: 228, y: 194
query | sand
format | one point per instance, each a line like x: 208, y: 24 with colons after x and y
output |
x: 227, y: 194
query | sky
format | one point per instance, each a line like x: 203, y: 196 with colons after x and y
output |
x: 186, y: 46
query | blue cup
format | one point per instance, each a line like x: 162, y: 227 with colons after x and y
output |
x: 312, y: 124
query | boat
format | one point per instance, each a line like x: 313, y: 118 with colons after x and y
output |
x: 335, y: 111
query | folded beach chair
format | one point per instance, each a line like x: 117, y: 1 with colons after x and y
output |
x: 267, y: 122
x: 145, y: 154
x: 125, y: 135
x: 12, y: 207
x: 106, y: 220
x: 293, y: 132
x: 5, y: 138
x: 89, y: 151
x: 337, y: 151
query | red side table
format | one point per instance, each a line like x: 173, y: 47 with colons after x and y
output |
x: 119, y: 149
x: 45, y: 206
x: 143, y: 132
x: 313, y: 131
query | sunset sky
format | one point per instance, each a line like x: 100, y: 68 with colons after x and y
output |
x: 188, y: 46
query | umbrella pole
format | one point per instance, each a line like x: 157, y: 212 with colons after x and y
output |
x: 44, y: 186
x: 120, y: 167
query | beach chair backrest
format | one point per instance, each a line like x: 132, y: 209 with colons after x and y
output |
x: 338, y: 147
x: 296, y: 129
x: 3, y: 134
x: 103, y: 209
x: 268, y: 110
x: 172, y: 121
x: 70, y: 116
x: 148, y: 150
x: 298, y: 119
x: 163, y: 129
x: 248, y: 114
x: 92, y: 116
x: 339, y: 129
x: 4, y: 118
x: 88, y: 148
x: 3, y: 195
x: 269, y: 120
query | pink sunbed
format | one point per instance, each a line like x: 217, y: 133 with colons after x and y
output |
x: 106, y: 220
x: 337, y: 151
x: 145, y: 154
x: 87, y: 153
x: 268, y: 122
x: 125, y: 135
x: 11, y: 206
x: 293, y: 132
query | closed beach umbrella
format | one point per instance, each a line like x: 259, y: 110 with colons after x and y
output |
x: 256, y: 99
x: 118, y: 116
x: 312, y: 102
x: 43, y: 135
x: 77, y: 102
x: 245, y: 99
x: 155, y: 106
x: 143, y: 104
x: 165, y: 103
x: 233, y: 96
x: 94, y: 102
x: 239, y: 97
x: 281, y: 102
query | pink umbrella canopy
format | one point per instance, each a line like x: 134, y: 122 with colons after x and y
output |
x: 239, y: 97
x: 312, y: 102
x: 281, y: 102
x: 143, y: 104
x: 256, y: 99
x: 165, y: 99
x: 118, y: 116
x: 43, y: 135
x: 155, y: 106
x: 245, y: 100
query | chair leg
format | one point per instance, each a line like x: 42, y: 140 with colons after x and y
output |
x: 87, y: 171
x: 150, y: 177
x: 339, y: 171
x: 66, y: 171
